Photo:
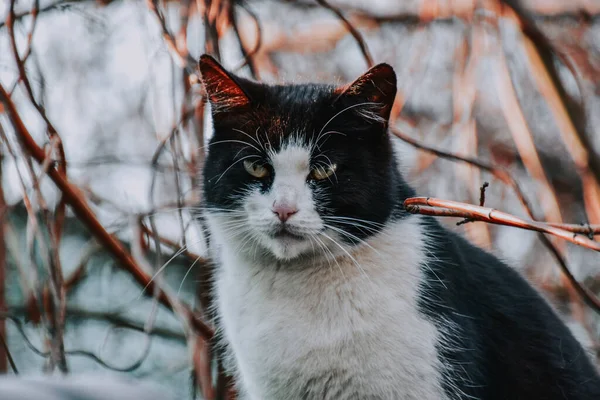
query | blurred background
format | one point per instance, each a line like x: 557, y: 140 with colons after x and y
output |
x: 103, y: 125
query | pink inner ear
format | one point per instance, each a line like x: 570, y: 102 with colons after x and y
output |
x: 378, y: 85
x: 223, y: 91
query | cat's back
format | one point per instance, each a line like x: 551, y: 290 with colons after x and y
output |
x: 513, y: 344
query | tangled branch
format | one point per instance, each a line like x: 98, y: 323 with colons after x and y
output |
x: 80, y: 207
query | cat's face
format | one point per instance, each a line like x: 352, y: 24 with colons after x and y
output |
x: 298, y: 169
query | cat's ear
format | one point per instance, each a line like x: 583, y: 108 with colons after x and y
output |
x: 376, y: 88
x: 222, y: 88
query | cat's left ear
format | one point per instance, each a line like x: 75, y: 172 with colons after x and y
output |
x: 222, y: 88
x: 376, y: 88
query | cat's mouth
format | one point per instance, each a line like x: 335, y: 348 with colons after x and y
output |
x: 284, y: 232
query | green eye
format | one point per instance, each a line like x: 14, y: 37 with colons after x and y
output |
x: 319, y: 173
x: 256, y: 170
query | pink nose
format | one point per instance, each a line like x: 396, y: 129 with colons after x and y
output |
x: 284, y: 211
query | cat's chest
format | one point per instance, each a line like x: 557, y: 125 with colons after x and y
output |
x: 291, y: 328
x: 311, y: 308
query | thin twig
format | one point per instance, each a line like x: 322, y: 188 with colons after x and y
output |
x: 248, y: 55
x: 4, y: 352
x: 183, y: 60
x: 55, y: 223
x: 77, y: 352
x: 34, y: 17
x: 176, y: 247
x: 364, y: 49
x: 448, y: 208
x: 481, y: 203
x: 49, y: 301
x: 57, y: 5
x: 7, y: 352
x: 112, y: 317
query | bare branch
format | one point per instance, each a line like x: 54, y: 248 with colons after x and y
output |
x: 448, y: 208
x: 80, y: 207
x: 355, y: 33
x: 182, y: 58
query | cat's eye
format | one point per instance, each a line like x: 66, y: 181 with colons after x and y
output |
x: 255, y: 169
x: 323, y: 172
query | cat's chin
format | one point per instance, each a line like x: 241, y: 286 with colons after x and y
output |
x: 287, y: 247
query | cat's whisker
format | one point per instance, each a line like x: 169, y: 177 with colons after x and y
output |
x: 330, y: 164
x: 234, y: 163
x: 327, y: 251
x: 248, y: 237
x: 430, y: 269
x: 254, y: 139
x: 238, y: 153
x: 368, y: 229
x: 364, y: 221
x: 231, y: 218
x: 312, y: 245
x: 326, y: 137
x: 235, y: 230
x: 222, y: 211
x: 236, y: 141
x: 341, y: 112
x: 166, y: 264
x: 255, y: 247
x: 186, y: 274
x: 233, y: 222
x: 353, y: 237
x: 358, y: 266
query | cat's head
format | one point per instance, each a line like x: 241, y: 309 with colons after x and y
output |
x: 296, y: 169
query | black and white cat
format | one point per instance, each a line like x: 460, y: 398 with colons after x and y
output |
x: 326, y: 288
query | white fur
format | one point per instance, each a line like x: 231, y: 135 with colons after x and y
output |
x: 305, y: 326
x: 291, y: 167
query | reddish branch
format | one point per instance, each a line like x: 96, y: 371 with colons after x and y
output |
x: 82, y: 210
x: 53, y: 222
x: 34, y: 313
x: 448, y: 208
x: 505, y: 177
x: 57, y: 224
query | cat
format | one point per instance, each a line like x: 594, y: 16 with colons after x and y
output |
x: 327, y: 288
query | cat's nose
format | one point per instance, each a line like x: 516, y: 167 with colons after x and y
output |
x: 284, y: 211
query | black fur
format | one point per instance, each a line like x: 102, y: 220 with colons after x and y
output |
x: 510, y: 343
x: 513, y: 345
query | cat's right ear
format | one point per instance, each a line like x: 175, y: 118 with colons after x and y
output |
x: 223, y: 90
